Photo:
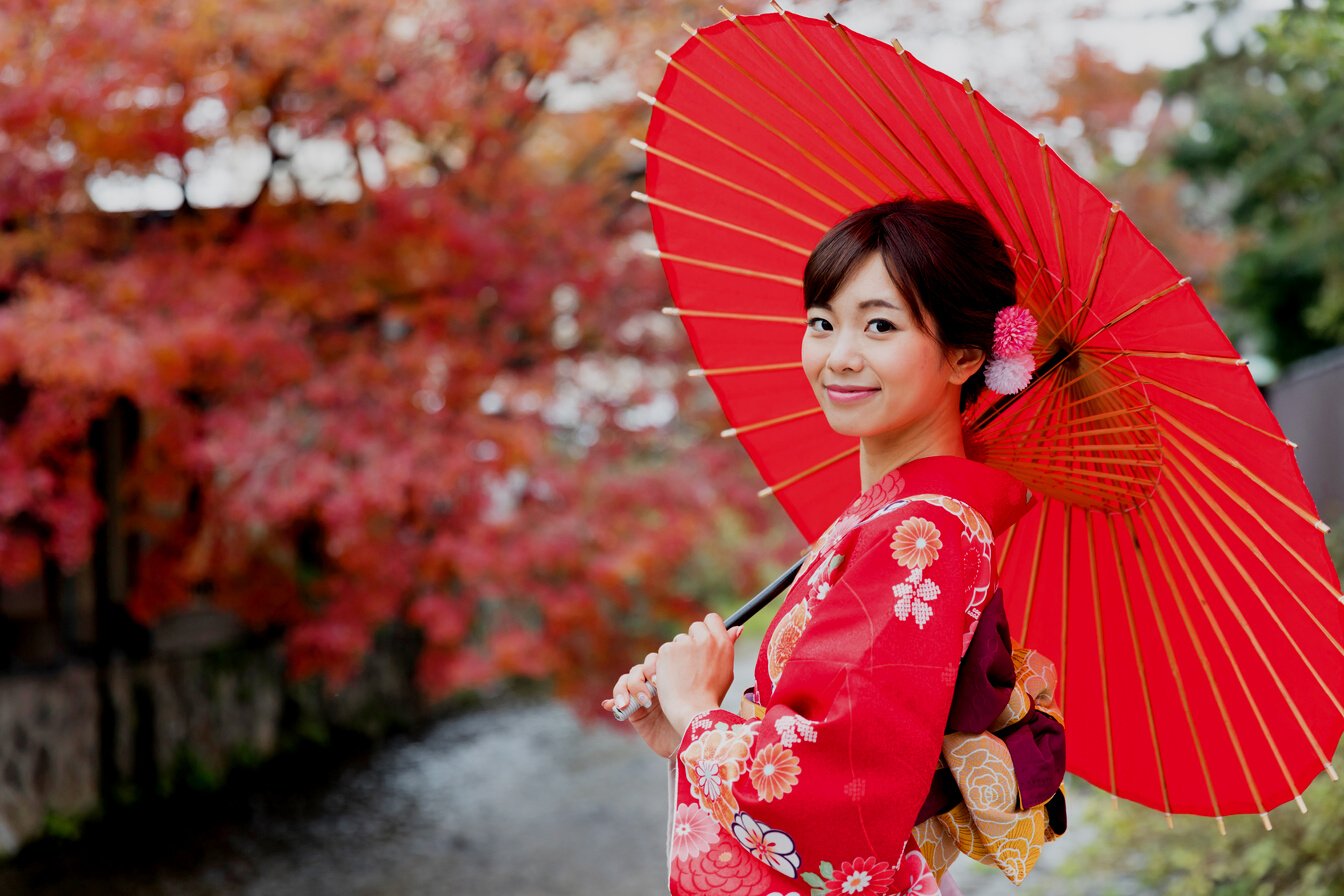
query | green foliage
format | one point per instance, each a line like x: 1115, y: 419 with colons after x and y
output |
x: 1266, y: 147
x: 1302, y: 855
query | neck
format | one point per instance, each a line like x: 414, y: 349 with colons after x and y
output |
x: 880, y: 454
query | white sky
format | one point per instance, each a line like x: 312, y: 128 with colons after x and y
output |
x: 1011, y: 66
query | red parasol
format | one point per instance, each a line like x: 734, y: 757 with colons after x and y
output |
x: 1174, y: 565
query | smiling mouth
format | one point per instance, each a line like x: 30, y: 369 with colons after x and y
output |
x: 843, y: 394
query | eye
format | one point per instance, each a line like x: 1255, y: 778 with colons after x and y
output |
x: 881, y: 325
x: 819, y: 324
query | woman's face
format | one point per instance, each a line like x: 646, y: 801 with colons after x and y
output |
x: 874, y: 371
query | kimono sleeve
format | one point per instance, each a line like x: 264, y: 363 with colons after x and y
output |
x: 840, y: 764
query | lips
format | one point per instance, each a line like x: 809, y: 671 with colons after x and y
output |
x: 848, y: 394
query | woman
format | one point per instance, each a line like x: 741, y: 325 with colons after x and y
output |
x: 818, y: 785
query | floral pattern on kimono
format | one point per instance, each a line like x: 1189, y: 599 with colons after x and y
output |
x: 818, y: 787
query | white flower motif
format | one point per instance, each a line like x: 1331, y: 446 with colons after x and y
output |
x: 707, y: 773
x: 791, y: 729
x: 774, y: 848
x: 914, y: 596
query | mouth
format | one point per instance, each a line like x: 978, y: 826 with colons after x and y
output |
x: 849, y: 394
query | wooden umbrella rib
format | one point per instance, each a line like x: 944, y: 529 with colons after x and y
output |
x: 1101, y: 651
x: 1208, y: 405
x: 1178, y: 519
x: 818, y: 163
x: 1003, y: 171
x: 720, y: 222
x: 905, y: 113
x: 1246, y: 627
x: 806, y: 119
x: 1035, y: 569
x: 1160, y: 548
x: 951, y: 132
x: 749, y: 368
x: 815, y: 468
x: 1102, y: 253
x: 1114, y: 477
x: 1056, y: 219
x: 746, y: 153
x: 732, y: 185
x: 1238, y: 499
x: 766, y: 424
x: 725, y: 268
x: 1111, y: 525
x: 1168, y: 356
x: 1237, y: 465
x: 1146, y: 578
x: 1124, y: 315
x: 1003, y: 544
x: 1064, y: 604
x: 735, y: 315
x: 1075, y: 486
x: 1006, y: 448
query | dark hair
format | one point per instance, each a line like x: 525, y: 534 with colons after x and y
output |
x: 943, y: 256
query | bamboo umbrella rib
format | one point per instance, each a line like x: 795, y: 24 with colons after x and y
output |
x: 766, y: 424
x: 1115, y: 477
x: 720, y: 222
x: 815, y: 468
x: 1004, y: 544
x: 1112, y: 527
x: 1237, y: 465
x: 1074, y: 422
x: 746, y: 113
x: 1124, y: 315
x: 1250, y: 581
x: 769, y: 166
x: 905, y: 113
x: 965, y: 154
x: 1003, y: 169
x: 1146, y: 577
x: 749, y: 368
x: 1208, y: 405
x: 1086, y: 304
x: 1240, y: 500
x: 735, y: 315
x: 1160, y: 548
x: 1178, y: 518
x: 1039, y: 541
x: 1093, y: 490
x: 1056, y: 220
x: 732, y: 185
x: 1004, y: 448
x: 806, y: 119
x: 1100, y: 371
x: 1167, y: 356
x: 725, y: 268
x: 1101, y: 653
x: 1064, y: 604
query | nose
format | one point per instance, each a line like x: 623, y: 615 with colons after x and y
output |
x: 845, y: 355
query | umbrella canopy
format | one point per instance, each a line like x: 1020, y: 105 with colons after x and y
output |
x: 1174, y: 565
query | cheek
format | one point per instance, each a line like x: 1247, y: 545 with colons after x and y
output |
x: 813, y: 357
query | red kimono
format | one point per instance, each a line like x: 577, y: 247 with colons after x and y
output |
x: 817, y: 788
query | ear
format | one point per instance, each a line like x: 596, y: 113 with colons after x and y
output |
x: 964, y: 361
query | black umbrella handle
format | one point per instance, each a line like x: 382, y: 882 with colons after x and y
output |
x: 740, y: 616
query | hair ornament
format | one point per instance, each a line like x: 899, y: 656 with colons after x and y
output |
x: 1011, y: 364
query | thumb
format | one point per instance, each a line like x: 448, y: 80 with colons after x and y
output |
x: 735, y: 632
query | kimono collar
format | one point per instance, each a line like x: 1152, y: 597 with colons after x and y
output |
x: 999, y: 498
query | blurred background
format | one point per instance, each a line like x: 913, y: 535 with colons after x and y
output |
x: 345, y: 457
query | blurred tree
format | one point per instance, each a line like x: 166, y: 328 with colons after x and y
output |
x: 1266, y: 146
x: 369, y: 273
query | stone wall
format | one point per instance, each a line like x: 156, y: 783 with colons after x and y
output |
x: 75, y: 740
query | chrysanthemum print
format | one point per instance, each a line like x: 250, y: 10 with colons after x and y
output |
x: 693, y: 831
x: 916, y: 543
x: 774, y: 771
x: 915, y: 597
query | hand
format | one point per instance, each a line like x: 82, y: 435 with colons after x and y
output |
x: 648, y: 719
x: 695, y: 670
